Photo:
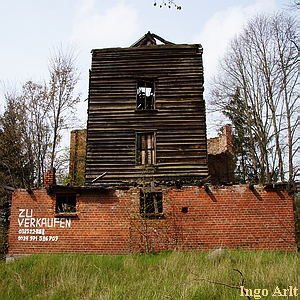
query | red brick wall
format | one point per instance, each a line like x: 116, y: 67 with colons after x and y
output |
x: 99, y: 226
x: 108, y: 221
x: 49, y: 177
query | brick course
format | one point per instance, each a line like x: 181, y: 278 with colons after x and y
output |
x: 108, y: 221
x: 49, y: 177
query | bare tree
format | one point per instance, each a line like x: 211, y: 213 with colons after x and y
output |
x: 64, y: 76
x: 34, y: 120
x: 37, y: 127
x: 25, y: 136
x: 256, y: 89
x: 294, y: 4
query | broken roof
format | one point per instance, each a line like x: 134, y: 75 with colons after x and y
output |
x: 150, y: 39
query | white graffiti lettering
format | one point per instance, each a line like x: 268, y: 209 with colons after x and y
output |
x: 26, y: 220
x: 20, y: 221
x: 26, y: 211
x: 21, y: 211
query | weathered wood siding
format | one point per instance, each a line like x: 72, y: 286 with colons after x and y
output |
x: 178, y: 120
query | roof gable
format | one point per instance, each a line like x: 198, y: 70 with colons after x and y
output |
x: 150, y: 39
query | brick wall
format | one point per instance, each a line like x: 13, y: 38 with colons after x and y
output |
x: 107, y: 221
x: 222, y: 143
x: 49, y: 177
x: 220, y: 157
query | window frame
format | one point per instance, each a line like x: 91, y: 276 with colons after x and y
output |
x: 71, y: 204
x: 142, y: 150
x: 144, y: 102
x: 153, y: 202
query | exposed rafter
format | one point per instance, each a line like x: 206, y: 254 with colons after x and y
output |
x: 150, y: 39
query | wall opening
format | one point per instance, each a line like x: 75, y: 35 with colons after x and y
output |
x: 145, y: 148
x: 65, y: 203
x: 151, y: 203
x: 145, y: 98
x: 184, y: 209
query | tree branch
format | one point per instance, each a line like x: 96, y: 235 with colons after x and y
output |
x: 241, y: 286
x: 168, y: 3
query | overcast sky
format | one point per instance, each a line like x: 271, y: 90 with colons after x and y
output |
x: 31, y: 29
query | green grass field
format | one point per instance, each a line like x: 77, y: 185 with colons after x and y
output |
x: 169, y: 275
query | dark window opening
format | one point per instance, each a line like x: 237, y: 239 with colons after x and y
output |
x: 151, y: 203
x: 145, y: 148
x: 66, y: 203
x: 184, y: 209
x: 145, y: 95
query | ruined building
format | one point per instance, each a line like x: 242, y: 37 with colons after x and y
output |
x: 146, y: 114
x: 148, y: 174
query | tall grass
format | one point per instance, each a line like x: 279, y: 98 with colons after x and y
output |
x: 169, y: 275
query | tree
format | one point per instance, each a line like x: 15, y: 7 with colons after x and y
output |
x: 64, y: 76
x: 37, y: 129
x: 24, y: 136
x: 256, y: 88
x: 16, y: 162
x: 34, y: 119
x: 294, y: 4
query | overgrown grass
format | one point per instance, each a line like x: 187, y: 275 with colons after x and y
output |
x: 169, y: 275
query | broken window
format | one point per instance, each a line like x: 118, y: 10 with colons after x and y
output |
x: 151, y: 203
x: 145, y: 148
x: 145, y: 95
x: 65, y: 203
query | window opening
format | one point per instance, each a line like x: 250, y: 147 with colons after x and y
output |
x: 145, y: 95
x: 184, y: 209
x: 151, y: 203
x: 66, y: 203
x: 145, y: 148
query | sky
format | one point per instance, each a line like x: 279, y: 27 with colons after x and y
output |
x: 32, y: 29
